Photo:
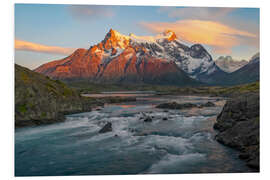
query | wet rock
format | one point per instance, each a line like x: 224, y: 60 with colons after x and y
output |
x: 254, y: 163
x: 148, y: 119
x: 132, y: 130
x: 106, y: 128
x: 209, y: 104
x: 238, y: 124
x: 243, y: 156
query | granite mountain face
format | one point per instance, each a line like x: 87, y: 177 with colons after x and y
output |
x: 160, y: 59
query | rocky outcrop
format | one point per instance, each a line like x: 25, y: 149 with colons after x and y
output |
x: 238, y: 126
x: 106, y: 128
x: 175, y: 105
x: 148, y: 119
x: 41, y: 100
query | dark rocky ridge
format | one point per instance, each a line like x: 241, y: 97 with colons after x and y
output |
x: 238, y: 124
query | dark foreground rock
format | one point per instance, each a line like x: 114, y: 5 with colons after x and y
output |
x: 175, y: 105
x: 238, y: 124
x: 106, y: 128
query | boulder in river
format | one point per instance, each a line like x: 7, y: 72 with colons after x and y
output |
x: 148, y: 119
x: 208, y: 104
x: 106, y: 128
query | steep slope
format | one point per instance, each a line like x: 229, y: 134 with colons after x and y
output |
x: 160, y: 59
x: 247, y: 74
x: 39, y: 99
x: 228, y: 64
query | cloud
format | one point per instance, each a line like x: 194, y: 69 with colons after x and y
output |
x: 34, y: 47
x: 219, y: 36
x: 90, y: 12
x: 199, y: 13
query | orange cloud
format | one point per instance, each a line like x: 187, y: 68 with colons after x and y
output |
x: 29, y: 46
x: 217, y: 35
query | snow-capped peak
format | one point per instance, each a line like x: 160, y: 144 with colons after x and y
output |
x: 168, y: 35
x: 120, y: 39
x: 194, y: 60
x: 115, y: 39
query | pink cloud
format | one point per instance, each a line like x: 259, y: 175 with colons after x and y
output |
x: 34, y: 47
x: 219, y: 36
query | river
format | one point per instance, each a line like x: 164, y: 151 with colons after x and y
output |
x: 182, y: 144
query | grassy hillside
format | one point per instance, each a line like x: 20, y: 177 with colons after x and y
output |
x: 39, y: 99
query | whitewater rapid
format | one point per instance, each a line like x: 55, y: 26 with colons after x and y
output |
x: 185, y: 143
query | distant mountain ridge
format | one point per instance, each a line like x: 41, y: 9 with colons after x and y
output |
x: 247, y: 74
x: 160, y: 59
x: 228, y: 64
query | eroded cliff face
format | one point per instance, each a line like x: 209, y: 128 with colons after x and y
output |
x: 238, y: 124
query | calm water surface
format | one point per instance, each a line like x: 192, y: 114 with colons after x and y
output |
x: 182, y: 144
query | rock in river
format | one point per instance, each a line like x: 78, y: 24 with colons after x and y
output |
x: 148, y: 119
x: 106, y: 128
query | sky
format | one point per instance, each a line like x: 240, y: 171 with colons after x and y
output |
x: 47, y: 32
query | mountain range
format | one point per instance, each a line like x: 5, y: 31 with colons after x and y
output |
x: 228, y: 64
x: 247, y: 74
x: 160, y: 59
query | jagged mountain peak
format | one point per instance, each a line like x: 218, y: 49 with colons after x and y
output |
x: 120, y: 56
x: 118, y: 40
x: 170, y: 35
